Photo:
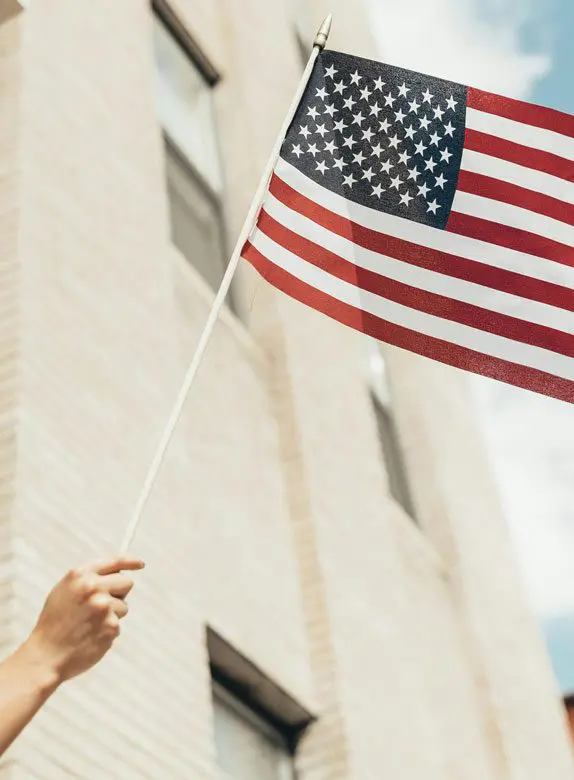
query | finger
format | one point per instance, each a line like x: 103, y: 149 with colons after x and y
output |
x: 119, y: 607
x: 112, y: 624
x: 118, y: 585
x: 115, y: 565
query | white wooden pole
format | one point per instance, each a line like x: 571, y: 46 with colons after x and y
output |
x: 249, y: 225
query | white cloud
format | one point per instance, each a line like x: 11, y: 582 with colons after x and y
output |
x: 531, y: 438
x: 459, y: 40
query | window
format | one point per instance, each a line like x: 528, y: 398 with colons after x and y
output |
x: 388, y: 435
x: 246, y: 746
x: 257, y: 723
x: 184, y: 88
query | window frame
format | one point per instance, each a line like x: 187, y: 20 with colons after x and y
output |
x: 397, y: 473
x: 381, y: 396
x: 171, y: 21
x: 264, y: 725
x: 165, y: 15
x: 215, y: 200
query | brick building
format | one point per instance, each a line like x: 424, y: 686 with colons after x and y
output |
x: 330, y: 585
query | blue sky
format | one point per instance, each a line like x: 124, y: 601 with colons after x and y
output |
x: 554, y: 34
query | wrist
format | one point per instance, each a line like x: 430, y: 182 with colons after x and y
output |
x: 39, y: 665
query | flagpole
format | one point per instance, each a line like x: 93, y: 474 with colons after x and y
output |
x: 250, y: 222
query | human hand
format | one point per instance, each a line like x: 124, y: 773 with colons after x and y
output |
x: 81, y: 617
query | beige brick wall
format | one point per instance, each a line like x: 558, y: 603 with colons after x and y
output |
x: 271, y: 521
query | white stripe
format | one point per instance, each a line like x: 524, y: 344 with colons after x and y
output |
x: 441, y: 240
x: 423, y: 279
x: 520, y: 133
x: 513, y: 216
x: 429, y: 325
x: 475, y: 162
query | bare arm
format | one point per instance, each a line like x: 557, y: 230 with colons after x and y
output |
x: 77, y: 626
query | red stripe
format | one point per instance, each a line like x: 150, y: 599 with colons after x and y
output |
x: 423, y: 257
x: 495, y: 189
x: 415, y: 298
x: 398, y: 336
x: 510, y: 237
x: 545, y: 162
x: 517, y: 110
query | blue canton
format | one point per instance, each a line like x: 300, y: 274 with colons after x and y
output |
x: 384, y: 137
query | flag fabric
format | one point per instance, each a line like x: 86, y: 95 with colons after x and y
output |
x: 432, y: 216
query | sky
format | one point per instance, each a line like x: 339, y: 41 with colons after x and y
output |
x: 520, y: 48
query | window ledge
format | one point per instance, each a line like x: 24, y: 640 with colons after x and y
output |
x: 412, y: 537
x: 232, y: 323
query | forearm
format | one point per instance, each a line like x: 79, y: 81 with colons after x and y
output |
x: 26, y: 682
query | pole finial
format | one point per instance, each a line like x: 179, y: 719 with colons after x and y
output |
x: 323, y: 34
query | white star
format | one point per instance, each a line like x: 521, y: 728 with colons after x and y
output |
x: 414, y: 174
x: 396, y: 182
x: 445, y: 155
x: 367, y: 134
x: 339, y: 163
x: 427, y: 97
x: 313, y: 113
x: 404, y: 158
x: 449, y: 129
x: 375, y: 109
x: 399, y: 116
x: 340, y: 125
x: 406, y: 199
x: 378, y: 190
x: 434, y: 139
x: 297, y: 150
x: 403, y: 90
x: 339, y: 87
x: 379, y: 84
x: 451, y: 103
x: 349, y: 180
x: 365, y: 93
x: 330, y: 147
x: 430, y: 164
x: 434, y: 207
x: 322, y: 93
x: 438, y: 113
x: 378, y: 150
x: 410, y: 132
x: 389, y: 100
x: 349, y: 142
x: 424, y: 123
x: 321, y: 130
x: 386, y: 166
x: 358, y: 119
x: 313, y: 150
x: 322, y: 167
x: 420, y: 148
x: 414, y: 107
x: 368, y: 174
x: 394, y: 141
x: 359, y: 158
x: 349, y: 103
x: 355, y: 77
x: 424, y: 190
x: 384, y: 125
x: 441, y: 181
x: 304, y: 131
x: 330, y: 72
x: 330, y: 109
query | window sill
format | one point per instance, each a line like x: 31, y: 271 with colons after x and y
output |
x: 414, y: 541
x: 227, y: 318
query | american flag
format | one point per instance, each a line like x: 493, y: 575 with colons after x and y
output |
x: 430, y: 215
